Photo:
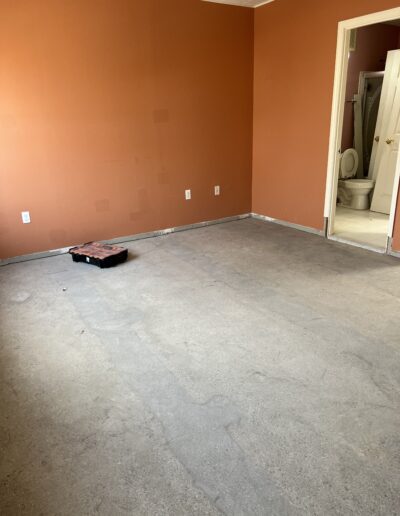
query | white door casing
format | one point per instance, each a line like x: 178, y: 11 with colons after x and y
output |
x: 336, y: 130
x: 338, y: 99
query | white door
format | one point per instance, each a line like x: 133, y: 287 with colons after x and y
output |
x: 387, y: 154
x: 389, y: 87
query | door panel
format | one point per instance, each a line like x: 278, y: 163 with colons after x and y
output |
x: 389, y: 88
x: 389, y: 144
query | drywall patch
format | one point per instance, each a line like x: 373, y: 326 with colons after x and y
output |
x: 161, y: 116
x: 102, y: 205
x: 143, y: 203
x: 143, y: 198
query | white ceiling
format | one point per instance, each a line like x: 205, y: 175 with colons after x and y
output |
x: 243, y: 3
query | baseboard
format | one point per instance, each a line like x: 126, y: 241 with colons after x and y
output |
x: 34, y: 256
x: 396, y: 254
x: 152, y: 234
x: 391, y: 251
x: 130, y: 238
x: 161, y: 232
x: 319, y: 232
x: 324, y: 234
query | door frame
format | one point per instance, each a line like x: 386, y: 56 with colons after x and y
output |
x: 338, y: 103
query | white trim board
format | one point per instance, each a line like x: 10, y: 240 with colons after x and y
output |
x: 291, y: 225
x: 395, y: 254
x: 120, y: 240
x: 391, y: 251
x: 240, y: 3
x: 339, y: 90
x: 263, y: 3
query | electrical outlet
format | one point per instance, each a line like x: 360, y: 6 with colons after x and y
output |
x: 188, y: 195
x: 26, y: 217
x: 217, y: 190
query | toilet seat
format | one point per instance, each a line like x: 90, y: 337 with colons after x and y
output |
x: 358, y: 184
x: 349, y: 164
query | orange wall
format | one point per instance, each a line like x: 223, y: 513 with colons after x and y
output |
x: 110, y: 109
x: 295, y: 47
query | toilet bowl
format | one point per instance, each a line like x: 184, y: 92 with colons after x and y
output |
x: 353, y: 193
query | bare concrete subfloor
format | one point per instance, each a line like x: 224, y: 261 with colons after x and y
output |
x: 239, y: 369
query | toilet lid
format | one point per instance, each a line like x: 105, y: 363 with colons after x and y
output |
x: 348, y: 164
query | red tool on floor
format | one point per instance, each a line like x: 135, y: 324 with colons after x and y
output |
x: 102, y: 255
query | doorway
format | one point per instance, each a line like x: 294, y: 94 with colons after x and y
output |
x: 363, y: 165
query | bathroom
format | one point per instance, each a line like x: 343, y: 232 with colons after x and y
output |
x: 369, y: 146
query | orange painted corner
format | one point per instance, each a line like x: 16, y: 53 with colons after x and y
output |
x: 294, y: 64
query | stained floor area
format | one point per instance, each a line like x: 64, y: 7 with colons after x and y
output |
x: 240, y: 369
x: 362, y: 226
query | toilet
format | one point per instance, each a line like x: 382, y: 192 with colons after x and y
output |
x: 353, y: 193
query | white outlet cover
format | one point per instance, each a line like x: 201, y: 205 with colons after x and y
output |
x: 26, y: 217
x: 217, y: 190
x: 188, y: 195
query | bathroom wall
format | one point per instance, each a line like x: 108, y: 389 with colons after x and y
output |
x: 373, y: 44
x: 110, y: 109
x: 295, y: 48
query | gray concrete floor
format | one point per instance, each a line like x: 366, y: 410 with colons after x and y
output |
x: 239, y: 369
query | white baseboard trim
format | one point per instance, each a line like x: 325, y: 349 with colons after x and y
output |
x: 34, y: 256
x: 314, y: 231
x: 161, y: 232
x: 391, y: 251
x: 291, y: 225
x: 187, y: 227
x: 130, y: 238
x: 395, y: 254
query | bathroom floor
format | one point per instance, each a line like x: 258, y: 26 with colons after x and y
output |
x: 361, y: 226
